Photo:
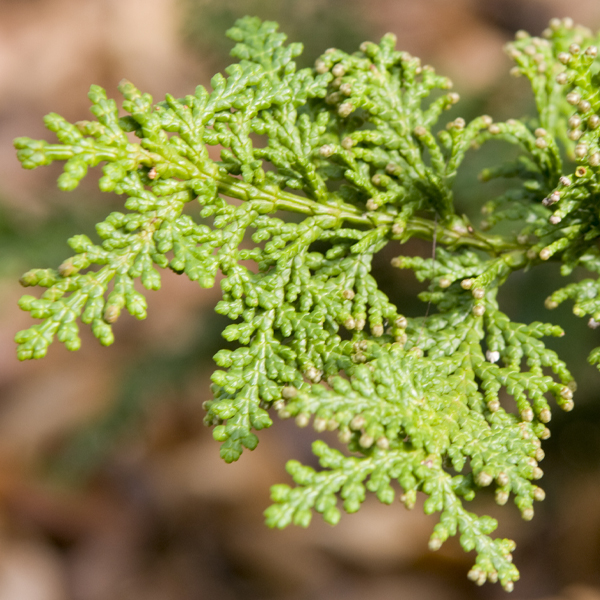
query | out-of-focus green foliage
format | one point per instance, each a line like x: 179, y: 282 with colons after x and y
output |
x: 318, y: 25
x: 354, y: 146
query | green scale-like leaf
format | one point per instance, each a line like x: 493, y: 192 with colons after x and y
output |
x: 350, y: 146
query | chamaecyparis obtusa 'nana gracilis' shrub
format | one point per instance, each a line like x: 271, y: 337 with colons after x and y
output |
x: 353, y: 149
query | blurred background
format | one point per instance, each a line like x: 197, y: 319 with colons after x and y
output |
x: 110, y: 486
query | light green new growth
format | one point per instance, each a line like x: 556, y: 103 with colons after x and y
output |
x: 354, y: 147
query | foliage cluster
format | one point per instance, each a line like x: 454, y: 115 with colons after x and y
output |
x: 320, y: 169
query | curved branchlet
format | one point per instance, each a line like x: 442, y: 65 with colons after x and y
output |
x: 351, y: 146
x: 560, y: 210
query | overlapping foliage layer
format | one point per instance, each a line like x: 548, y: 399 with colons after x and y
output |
x: 354, y: 148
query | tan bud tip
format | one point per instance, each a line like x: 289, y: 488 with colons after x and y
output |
x: 332, y: 424
x: 479, y: 310
x: 345, y: 436
x: 568, y: 405
x: 503, y: 479
x: 401, y: 339
x: 501, y: 497
x: 320, y: 424
x: 345, y: 109
x: 111, y: 313
x: 358, y: 422
x: 366, y: 441
x: 313, y: 374
x: 302, y: 420
x: 359, y: 358
x: 320, y: 66
x: 372, y: 204
x: 584, y: 106
x: 527, y: 514
x: 555, y: 24
x: 435, y: 544
x: 377, y: 330
x: 383, y: 443
x: 397, y: 229
x: 327, y: 150
x: 593, y: 121
x: 527, y: 415
x: 338, y: 70
x: 66, y: 269
x: 493, y: 405
x: 289, y: 392
x: 581, y: 150
x: 483, y: 479
x: 401, y: 322
x: 346, y: 89
x: 566, y: 393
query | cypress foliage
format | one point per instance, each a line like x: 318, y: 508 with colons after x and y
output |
x: 354, y: 147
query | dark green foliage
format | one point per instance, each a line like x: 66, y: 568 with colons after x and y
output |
x: 351, y: 146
